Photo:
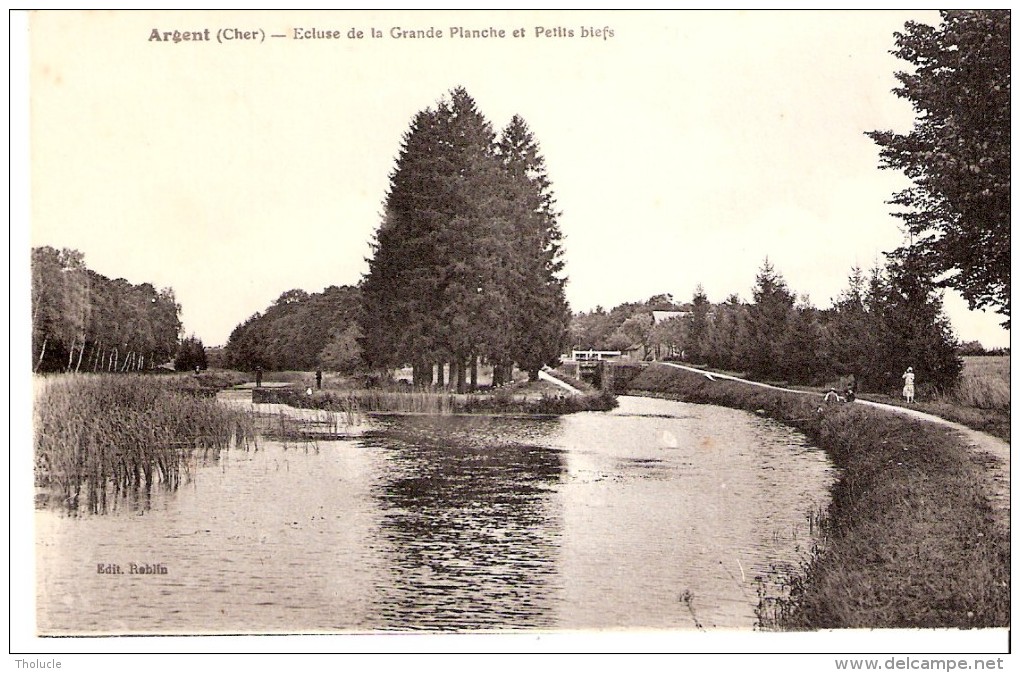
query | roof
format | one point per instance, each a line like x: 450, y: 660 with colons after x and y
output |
x: 660, y: 316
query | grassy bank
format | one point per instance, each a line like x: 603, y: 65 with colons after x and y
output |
x: 909, y: 540
x: 435, y: 402
x: 98, y: 433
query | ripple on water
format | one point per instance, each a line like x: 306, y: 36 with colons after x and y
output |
x: 656, y: 515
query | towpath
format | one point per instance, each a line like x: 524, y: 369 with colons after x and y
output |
x: 545, y: 376
x: 996, y: 470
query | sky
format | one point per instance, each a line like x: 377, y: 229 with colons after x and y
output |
x: 685, y: 148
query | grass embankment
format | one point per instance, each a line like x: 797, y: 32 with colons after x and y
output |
x: 908, y: 539
x: 95, y: 433
x: 436, y: 402
x: 216, y: 380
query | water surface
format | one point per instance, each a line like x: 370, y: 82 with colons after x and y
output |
x: 658, y: 515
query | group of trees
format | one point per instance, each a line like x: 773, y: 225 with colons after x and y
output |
x: 884, y: 322
x: 957, y: 155
x: 957, y: 224
x: 301, y: 331
x: 191, y: 355
x: 83, y: 321
x: 466, y: 263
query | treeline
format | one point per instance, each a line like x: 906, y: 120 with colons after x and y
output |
x: 977, y: 348
x: 883, y: 322
x: 466, y: 263
x: 83, y: 321
x: 301, y: 331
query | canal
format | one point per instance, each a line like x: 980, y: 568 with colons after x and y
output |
x: 657, y: 515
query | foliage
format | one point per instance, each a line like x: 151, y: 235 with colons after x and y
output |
x: 300, y: 331
x: 878, y: 326
x: 83, y: 321
x: 466, y: 262
x: 190, y: 355
x: 958, y: 152
x: 767, y: 319
x: 541, y: 314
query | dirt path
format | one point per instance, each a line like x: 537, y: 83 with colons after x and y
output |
x: 996, y: 468
x: 545, y: 376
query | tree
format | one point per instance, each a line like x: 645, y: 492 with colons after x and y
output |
x: 803, y: 352
x: 190, y: 355
x: 541, y: 313
x: 297, y: 330
x: 466, y: 261
x: 122, y: 327
x: 342, y: 353
x: 917, y: 333
x: 852, y: 333
x: 727, y: 335
x: 670, y: 337
x: 957, y: 154
x: 766, y: 324
x: 697, y: 333
x: 636, y: 331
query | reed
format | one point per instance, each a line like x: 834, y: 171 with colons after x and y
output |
x: 95, y: 434
x: 503, y: 401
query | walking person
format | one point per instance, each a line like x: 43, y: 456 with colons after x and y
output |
x: 908, y: 385
x: 258, y: 377
x: 318, y: 378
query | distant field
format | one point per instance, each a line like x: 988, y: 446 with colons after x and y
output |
x: 986, y: 365
x: 984, y: 383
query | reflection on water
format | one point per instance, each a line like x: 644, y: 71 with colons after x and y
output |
x: 472, y: 528
x: 656, y: 515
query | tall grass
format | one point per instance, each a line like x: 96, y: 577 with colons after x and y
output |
x: 909, y: 537
x: 984, y: 383
x: 435, y: 402
x: 95, y: 434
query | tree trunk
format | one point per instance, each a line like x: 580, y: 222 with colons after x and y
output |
x: 70, y: 353
x: 42, y: 352
x: 440, y: 374
x: 453, y: 373
x: 81, y: 352
x: 113, y: 360
x: 474, y: 373
x: 461, y: 374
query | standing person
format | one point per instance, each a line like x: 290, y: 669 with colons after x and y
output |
x: 908, y: 385
x: 258, y: 377
x: 318, y: 378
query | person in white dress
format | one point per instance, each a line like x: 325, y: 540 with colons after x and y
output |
x: 908, y: 385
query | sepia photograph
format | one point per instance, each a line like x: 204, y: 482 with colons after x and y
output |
x: 503, y: 331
